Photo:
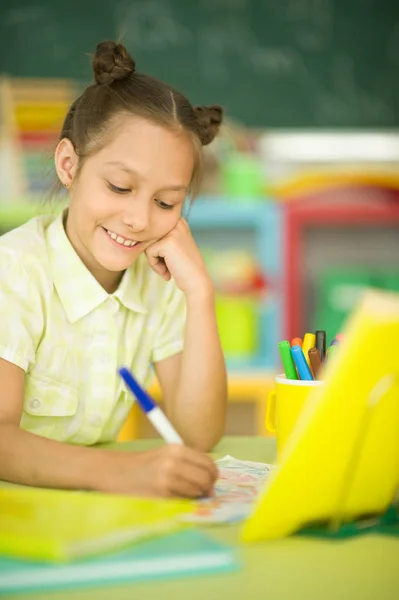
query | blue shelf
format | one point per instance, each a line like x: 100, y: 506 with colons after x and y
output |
x: 221, y: 212
x: 264, y: 217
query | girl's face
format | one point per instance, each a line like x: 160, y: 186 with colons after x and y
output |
x: 127, y: 196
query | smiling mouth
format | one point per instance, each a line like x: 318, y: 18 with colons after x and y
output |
x: 120, y: 240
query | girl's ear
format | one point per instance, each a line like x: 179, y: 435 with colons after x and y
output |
x: 66, y: 162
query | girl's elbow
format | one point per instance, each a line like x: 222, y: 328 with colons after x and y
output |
x: 206, y: 443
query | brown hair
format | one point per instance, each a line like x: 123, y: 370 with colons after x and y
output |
x: 118, y: 90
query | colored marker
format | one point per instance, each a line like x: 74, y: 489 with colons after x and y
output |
x: 149, y: 407
x: 300, y: 362
x: 309, y: 341
x: 287, y: 360
x: 321, y: 343
x: 334, y: 342
x: 340, y: 337
x: 315, y: 361
x: 296, y: 342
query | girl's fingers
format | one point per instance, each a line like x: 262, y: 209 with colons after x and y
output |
x: 193, y: 482
x: 160, y: 268
x: 157, y: 263
x: 194, y: 466
x: 185, y: 489
x: 202, y: 461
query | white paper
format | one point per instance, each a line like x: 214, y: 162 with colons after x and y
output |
x: 239, y: 483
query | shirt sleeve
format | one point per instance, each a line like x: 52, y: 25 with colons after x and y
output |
x: 170, y: 336
x: 21, y: 310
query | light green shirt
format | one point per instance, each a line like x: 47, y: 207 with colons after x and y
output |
x: 70, y: 336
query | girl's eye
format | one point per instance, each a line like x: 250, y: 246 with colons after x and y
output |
x: 117, y: 189
x: 164, y: 205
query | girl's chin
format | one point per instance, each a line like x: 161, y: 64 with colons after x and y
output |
x: 115, y: 265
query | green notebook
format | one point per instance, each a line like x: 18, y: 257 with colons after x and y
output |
x: 175, y: 555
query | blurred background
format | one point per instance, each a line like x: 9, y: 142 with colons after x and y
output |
x: 299, y: 209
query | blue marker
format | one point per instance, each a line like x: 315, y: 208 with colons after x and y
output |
x: 149, y: 407
x: 300, y: 362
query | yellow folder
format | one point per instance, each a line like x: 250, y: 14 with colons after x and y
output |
x: 63, y: 525
x: 342, y: 459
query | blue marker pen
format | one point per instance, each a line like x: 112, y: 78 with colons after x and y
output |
x: 300, y: 362
x: 153, y: 412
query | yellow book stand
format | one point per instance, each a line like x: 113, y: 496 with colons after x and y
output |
x: 342, y: 459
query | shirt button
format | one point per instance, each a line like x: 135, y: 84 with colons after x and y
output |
x: 34, y: 404
x: 113, y: 306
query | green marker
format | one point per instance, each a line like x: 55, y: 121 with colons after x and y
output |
x: 287, y: 360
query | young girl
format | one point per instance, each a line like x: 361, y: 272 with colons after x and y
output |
x: 115, y: 280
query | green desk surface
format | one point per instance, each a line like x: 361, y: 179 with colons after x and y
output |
x: 362, y: 568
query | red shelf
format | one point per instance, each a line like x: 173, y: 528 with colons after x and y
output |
x: 345, y: 207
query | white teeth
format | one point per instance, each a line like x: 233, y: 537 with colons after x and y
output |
x: 120, y: 240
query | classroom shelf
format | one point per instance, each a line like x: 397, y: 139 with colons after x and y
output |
x: 353, y: 227
x: 262, y: 218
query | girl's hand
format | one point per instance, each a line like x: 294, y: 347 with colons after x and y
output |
x: 170, y: 471
x: 177, y: 255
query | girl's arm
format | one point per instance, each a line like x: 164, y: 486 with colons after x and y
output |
x: 194, y: 382
x: 29, y: 459
x: 32, y: 460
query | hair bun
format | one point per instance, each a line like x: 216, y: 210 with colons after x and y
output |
x: 111, y: 62
x: 209, y: 120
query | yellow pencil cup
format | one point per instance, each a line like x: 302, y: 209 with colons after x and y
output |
x: 284, y: 405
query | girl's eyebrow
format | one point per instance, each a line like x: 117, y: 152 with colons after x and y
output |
x: 121, y: 165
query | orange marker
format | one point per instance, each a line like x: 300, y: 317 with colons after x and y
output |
x: 296, y: 342
x: 340, y: 337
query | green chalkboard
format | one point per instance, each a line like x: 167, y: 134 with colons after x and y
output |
x: 275, y: 63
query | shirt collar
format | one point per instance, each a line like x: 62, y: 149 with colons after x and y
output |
x: 129, y: 290
x: 78, y: 290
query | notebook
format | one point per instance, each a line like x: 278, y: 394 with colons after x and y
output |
x: 60, y: 525
x: 180, y: 554
x: 342, y: 459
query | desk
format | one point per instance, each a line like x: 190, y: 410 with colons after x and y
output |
x: 363, y: 568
